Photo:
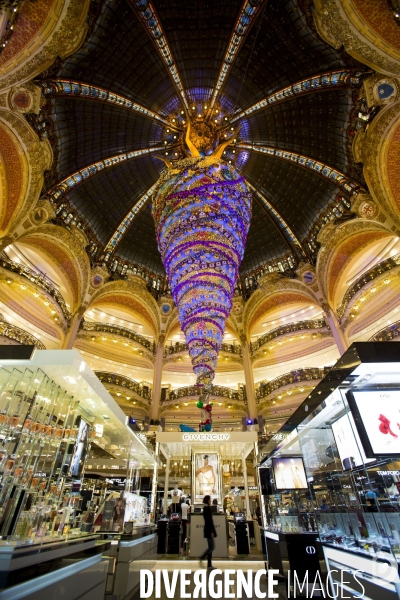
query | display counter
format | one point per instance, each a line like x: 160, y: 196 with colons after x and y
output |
x: 333, y: 469
x: 198, y: 543
x: 367, y: 575
x: 297, y: 552
x: 33, y: 570
x: 124, y: 556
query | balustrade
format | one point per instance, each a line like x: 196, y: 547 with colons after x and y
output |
x: 38, y: 279
x: 289, y: 328
x: 122, y: 331
x: 142, y: 390
x: 388, y: 333
x: 386, y: 265
x: 296, y: 376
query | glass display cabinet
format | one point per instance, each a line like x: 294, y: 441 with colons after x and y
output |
x: 55, y: 418
x: 338, y: 458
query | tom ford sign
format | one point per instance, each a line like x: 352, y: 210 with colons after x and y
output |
x: 205, y: 437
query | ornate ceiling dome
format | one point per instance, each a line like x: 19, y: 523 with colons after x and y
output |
x: 252, y: 73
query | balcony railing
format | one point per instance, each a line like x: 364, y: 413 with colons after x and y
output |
x: 292, y: 377
x: 388, y: 333
x: 122, y: 331
x: 182, y: 347
x: 38, y: 279
x: 193, y: 390
x: 386, y: 265
x: 282, y: 330
x: 142, y: 390
x: 19, y: 335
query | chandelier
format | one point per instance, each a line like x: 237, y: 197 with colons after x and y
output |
x: 202, y: 211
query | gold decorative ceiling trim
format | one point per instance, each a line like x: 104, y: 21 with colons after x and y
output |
x: 61, y: 33
x: 336, y: 177
x: 243, y: 24
x: 154, y: 28
x: 317, y: 83
x: 287, y: 233
x: 69, y: 183
x: 69, y: 88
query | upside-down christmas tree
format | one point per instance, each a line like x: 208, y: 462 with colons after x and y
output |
x: 202, y: 212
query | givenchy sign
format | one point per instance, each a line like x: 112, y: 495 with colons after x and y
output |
x: 205, y: 437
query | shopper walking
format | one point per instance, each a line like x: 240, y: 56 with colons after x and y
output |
x: 209, y: 531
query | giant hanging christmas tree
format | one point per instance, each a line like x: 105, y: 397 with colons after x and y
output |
x: 202, y: 212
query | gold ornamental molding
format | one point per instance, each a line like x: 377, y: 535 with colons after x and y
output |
x: 366, y: 29
x: 23, y: 159
x: 57, y: 29
x: 380, y: 142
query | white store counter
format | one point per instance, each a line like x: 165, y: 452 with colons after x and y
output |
x: 198, y: 544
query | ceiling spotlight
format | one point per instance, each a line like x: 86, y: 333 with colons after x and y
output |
x: 173, y: 120
x: 216, y: 112
x: 182, y: 112
x: 205, y: 108
x: 193, y: 108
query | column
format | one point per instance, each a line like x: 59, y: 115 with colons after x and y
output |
x: 337, y: 332
x: 249, y: 379
x: 157, y: 377
x: 153, y: 504
x: 73, y: 329
x: 246, y: 488
x: 166, y: 485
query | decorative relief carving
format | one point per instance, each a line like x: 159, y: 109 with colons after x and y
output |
x: 374, y: 157
x: 334, y: 25
x: 63, y: 41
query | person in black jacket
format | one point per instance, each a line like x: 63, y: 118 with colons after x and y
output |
x: 209, y: 531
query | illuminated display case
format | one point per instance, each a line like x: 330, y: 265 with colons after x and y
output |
x: 55, y: 415
x: 347, y: 431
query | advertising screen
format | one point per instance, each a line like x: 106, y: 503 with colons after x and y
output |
x: 348, y: 443
x: 377, y: 416
x: 80, y: 449
x: 289, y: 473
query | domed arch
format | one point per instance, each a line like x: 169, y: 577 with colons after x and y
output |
x: 64, y: 250
x: 275, y: 301
x: 340, y: 245
x: 132, y: 297
x: 274, y: 291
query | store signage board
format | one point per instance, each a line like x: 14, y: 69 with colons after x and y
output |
x: 376, y: 414
x: 204, y: 438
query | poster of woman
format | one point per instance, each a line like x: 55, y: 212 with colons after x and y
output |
x: 119, y: 514
x: 206, y: 476
x: 81, y: 444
